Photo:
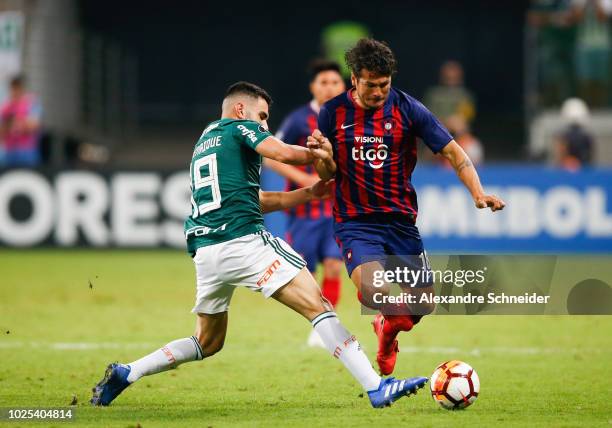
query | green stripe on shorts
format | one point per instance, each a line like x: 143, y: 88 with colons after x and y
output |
x: 295, y: 258
x: 294, y: 261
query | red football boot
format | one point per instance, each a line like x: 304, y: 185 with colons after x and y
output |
x: 386, y: 328
x: 388, y: 346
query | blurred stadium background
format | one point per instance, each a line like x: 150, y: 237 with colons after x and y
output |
x: 118, y: 93
x: 122, y: 90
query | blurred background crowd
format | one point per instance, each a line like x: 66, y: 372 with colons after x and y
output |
x: 101, y: 103
x: 131, y: 84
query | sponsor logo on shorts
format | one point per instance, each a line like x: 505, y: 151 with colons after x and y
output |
x: 269, y: 272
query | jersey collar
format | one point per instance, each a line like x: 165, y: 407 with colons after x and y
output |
x: 314, y: 106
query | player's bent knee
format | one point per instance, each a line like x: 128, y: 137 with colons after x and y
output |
x: 370, y: 297
x: 212, y: 348
x: 425, y: 307
x: 315, y: 306
x: 210, y: 333
x: 210, y: 345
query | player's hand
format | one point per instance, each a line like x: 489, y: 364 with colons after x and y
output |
x: 322, y: 189
x: 319, y: 146
x: 489, y: 201
x: 310, y: 181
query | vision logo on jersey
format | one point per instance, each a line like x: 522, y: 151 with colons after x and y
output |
x: 374, y: 155
x: 248, y: 133
x: 269, y: 272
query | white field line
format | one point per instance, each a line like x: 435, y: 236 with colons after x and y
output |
x: 93, y: 346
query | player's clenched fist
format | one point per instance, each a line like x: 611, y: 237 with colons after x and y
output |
x: 490, y: 201
x: 319, y: 146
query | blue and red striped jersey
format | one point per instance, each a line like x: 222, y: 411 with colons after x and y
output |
x: 294, y: 129
x: 376, y: 151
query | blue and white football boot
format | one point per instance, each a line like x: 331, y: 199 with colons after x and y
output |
x: 391, y: 389
x: 111, y: 385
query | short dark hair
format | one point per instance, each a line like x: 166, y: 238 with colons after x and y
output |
x: 319, y: 65
x: 371, y: 55
x: 248, y: 89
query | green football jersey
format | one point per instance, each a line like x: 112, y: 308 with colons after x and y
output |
x: 224, y: 174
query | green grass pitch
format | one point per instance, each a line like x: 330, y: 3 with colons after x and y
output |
x: 58, y: 334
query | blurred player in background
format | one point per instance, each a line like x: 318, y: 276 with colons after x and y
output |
x: 310, y: 226
x: 372, y: 129
x: 230, y: 248
x: 450, y: 97
x: 575, y: 144
x: 460, y: 130
x: 20, y: 126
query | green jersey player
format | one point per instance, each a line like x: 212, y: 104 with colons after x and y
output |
x: 231, y: 248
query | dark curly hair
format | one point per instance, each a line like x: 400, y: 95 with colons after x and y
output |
x: 372, y: 55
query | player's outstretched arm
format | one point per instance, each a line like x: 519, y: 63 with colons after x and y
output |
x: 276, y: 201
x: 292, y: 173
x: 322, y: 150
x: 467, y: 174
x: 275, y: 149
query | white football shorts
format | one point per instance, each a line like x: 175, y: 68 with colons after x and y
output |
x: 258, y: 261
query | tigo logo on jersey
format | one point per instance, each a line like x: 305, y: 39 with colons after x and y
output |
x: 269, y: 272
x: 248, y: 133
x: 374, y: 155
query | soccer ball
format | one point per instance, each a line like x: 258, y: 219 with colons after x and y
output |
x: 455, y: 385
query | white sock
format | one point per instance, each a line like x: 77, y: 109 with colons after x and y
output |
x: 170, y: 356
x: 344, y: 346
